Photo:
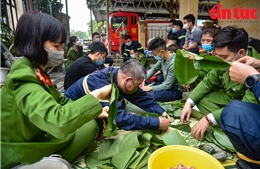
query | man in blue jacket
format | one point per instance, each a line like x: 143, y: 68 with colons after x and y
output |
x: 128, y: 45
x: 127, y: 78
x: 240, y: 120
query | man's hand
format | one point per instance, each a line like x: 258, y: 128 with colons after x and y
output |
x: 248, y: 60
x: 166, y: 115
x: 186, y: 112
x: 104, y: 113
x: 146, y: 88
x: 199, y: 129
x: 102, y: 93
x: 238, y: 71
x: 164, y: 123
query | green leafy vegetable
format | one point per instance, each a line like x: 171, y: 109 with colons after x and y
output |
x: 141, y: 155
x: 112, y: 113
x: 211, y: 62
x: 110, y: 147
x: 184, y: 69
x: 182, y: 127
x: 120, y: 160
x: 91, y: 160
x: 173, y: 138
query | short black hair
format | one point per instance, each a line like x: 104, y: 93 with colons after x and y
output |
x: 98, y: 47
x: 212, y: 30
x: 33, y: 29
x: 172, y: 21
x: 94, y: 34
x: 232, y: 37
x: 134, y: 49
x: 190, y: 18
x: 71, y: 41
x: 179, y: 23
x: 157, y: 43
x: 128, y: 37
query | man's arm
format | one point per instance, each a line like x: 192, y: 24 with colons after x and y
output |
x: 128, y: 121
x: 154, y: 69
x: 208, y: 83
x: 145, y: 101
x: 196, y: 39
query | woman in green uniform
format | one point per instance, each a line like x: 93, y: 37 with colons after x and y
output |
x: 36, y: 120
x: 72, y: 53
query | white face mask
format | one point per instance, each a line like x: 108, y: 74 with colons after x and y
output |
x: 133, y: 56
x: 55, y: 58
x: 129, y: 43
x: 185, y: 26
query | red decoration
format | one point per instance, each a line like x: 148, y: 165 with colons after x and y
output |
x: 43, y: 78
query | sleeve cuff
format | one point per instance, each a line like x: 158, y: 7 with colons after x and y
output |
x: 212, y: 119
x: 191, y: 102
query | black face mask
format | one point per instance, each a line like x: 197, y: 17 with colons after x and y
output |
x: 135, y: 88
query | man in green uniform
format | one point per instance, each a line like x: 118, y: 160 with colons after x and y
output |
x: 135, y: 54
x: 216, y: 90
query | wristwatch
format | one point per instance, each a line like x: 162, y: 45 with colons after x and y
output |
x: 251, y: 81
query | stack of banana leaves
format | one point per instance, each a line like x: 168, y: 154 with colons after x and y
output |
x: 133, y: 149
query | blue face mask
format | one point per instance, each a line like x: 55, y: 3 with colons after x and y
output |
x: 158, y: 57
x: 207, y: 47
x: 97, y: 40
x: 174, y: 30
x: 99, y: 62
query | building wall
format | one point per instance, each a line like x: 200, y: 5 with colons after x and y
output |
x: 188, y: 7
x: 251, y: 26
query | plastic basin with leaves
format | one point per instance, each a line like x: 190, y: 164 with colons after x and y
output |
x: 170, y: 156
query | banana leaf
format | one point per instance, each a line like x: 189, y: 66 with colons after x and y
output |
x: 133, y: 158
x: 107, y: 149
x: 112, y: 113
x: 183, y: 127
x: 144, y: 160
x: 184, y: 68
x: 217, y: 136
x: 129, y: 140
x: 105, y: 167
x: 141, y: 155
x: 145, y: 138
x: 92, y: 162
x: 173, y: 138
x: 173, y: 108
x: 222, y: 139
x: 211, y: 62
x: 111, y: 147
x: 120, y: 160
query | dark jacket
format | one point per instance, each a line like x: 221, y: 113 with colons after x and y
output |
x: 124, y: 120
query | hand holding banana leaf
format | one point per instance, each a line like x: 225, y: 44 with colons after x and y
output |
x: 188, y: 70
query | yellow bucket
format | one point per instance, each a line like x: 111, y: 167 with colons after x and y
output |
x: 170, y: 156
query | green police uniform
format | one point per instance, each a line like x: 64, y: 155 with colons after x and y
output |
x: 72, y: 55
x: 36, y: 120
x: 216, y: 90
x: 143, y: 60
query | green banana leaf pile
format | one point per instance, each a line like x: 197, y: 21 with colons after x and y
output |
x: 187, y: 70
x: 131, y: 150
